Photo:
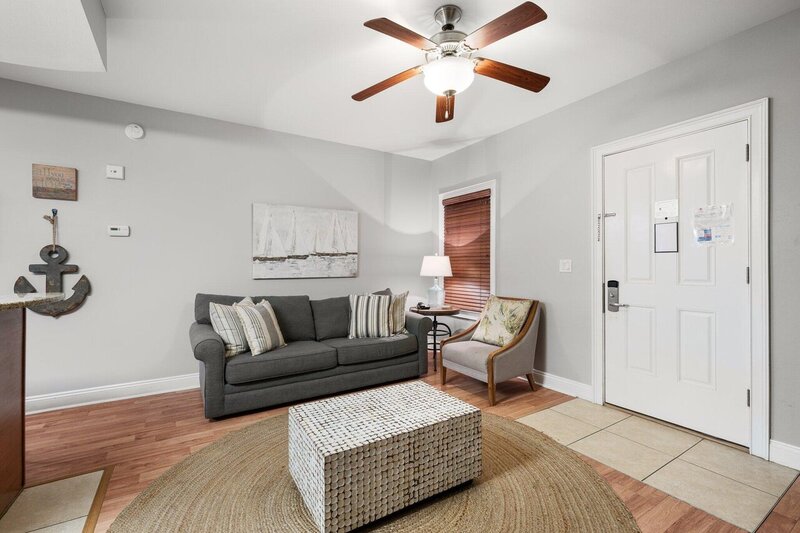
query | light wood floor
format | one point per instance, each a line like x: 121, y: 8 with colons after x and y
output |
x: 142, y: 437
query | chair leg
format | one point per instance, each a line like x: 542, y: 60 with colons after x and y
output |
x: 530, y: 380
x: 491, y: 392
x: 442, y: 375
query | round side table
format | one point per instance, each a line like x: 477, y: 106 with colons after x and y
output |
x: 439, y: 329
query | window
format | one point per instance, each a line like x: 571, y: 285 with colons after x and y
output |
x: 467, y: 240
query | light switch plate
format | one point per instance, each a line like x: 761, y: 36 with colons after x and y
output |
x: 565, y: 265
x: 119, y: 231
x: 115, y: 172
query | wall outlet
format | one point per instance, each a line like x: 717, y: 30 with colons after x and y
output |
x: 565, y: 265
x: 115, y: 172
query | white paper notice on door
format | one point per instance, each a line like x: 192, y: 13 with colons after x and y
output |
x: 666, y: 209
x: 713, y: 225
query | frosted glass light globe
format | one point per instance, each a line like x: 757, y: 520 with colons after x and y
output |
x: 449, y: 73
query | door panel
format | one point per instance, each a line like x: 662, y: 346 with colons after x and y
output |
x: 679, y: 351
x: 696, y: 188
x: 639, y: 195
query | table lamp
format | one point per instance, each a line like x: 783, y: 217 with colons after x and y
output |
x: 435, y: 266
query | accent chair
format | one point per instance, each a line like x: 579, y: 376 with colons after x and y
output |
x: 490, y: 363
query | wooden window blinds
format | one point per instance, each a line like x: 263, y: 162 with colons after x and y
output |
x: 467, y: 241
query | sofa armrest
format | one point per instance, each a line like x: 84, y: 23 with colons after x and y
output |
x: 207, y: 346
x: 209, y: 349
x: 419, y: 326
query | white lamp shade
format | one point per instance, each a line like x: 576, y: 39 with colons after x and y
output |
x: 449, y: 74
x: 435, y: 265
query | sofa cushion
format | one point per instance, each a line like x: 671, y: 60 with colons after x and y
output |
x: 294, y: 316
x: 294, y: 358
x: 355, y: 351
x: 331, y: 317
x: 201, y: 301
x: 471, y: 354
x: 293, y: 313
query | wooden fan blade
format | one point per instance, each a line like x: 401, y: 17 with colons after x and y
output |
x: 388, y: 82
x: 393, y: 29
x: 513, y: 75
x: 445, y: 105
x: 519, y: 18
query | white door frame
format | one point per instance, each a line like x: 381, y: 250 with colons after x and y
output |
x: 756, y: 115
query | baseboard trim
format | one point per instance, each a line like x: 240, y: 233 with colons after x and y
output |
x: 563, y: 385
x: 107, y: 393
x: 784, y: 454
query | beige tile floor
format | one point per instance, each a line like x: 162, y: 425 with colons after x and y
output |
x: 58, y: 507
x: 721, y: 480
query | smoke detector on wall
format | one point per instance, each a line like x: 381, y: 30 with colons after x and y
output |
x: 134, y: 131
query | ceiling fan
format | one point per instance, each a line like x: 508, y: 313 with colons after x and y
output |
x: 450, y: 66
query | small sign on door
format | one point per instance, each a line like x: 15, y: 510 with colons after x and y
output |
x: 665, y: 209
x: 666, y: 237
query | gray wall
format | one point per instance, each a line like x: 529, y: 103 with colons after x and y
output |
x: 187, y: 195
x: 543, y: 173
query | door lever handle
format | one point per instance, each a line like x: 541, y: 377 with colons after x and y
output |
x: 617, y: 305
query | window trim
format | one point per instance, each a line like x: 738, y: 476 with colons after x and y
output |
x: 492, y: 186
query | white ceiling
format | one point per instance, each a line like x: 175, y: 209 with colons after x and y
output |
x: 55, y: 34
x: 291, y: 65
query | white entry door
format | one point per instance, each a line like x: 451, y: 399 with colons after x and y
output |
x: 678, y: 348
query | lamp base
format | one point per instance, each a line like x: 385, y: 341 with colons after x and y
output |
x: 436, y: 296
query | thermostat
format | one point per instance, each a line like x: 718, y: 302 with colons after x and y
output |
x: 119, y: 231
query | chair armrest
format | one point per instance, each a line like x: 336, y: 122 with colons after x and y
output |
x: 207, y: 346
x: 465, y: 335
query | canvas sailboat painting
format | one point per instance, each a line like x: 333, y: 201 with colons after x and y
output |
x: 304, y: 242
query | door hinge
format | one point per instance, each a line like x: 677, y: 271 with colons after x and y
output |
x: 748, y: 397
x: 747, y: 152
x: 747, y: 275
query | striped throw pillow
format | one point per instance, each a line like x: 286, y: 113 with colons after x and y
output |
x: 369, y: 316
x: 226, y: 324
x: 397, y: 313
x: 260, y: 327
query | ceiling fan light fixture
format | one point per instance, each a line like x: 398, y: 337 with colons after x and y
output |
x: 449, y: 75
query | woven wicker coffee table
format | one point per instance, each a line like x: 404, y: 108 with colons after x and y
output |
x: 363, y: 456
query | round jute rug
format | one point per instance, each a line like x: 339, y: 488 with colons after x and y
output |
x: 241, y: 483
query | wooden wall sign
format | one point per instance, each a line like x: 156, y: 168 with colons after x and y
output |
x: 55, y: 183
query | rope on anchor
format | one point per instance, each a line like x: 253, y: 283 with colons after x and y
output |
x: 53, y: 220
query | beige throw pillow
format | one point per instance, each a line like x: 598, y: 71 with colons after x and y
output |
x: 502, y: 319
x: 226, y: 324
x: 397, y: 313
x: 260, y: 327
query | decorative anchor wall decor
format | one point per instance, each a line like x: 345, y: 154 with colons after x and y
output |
x: 54, y: 256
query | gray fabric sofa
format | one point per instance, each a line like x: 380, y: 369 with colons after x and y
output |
x: 317, y: 360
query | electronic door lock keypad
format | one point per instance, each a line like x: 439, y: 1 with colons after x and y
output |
x: 613, y: 296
